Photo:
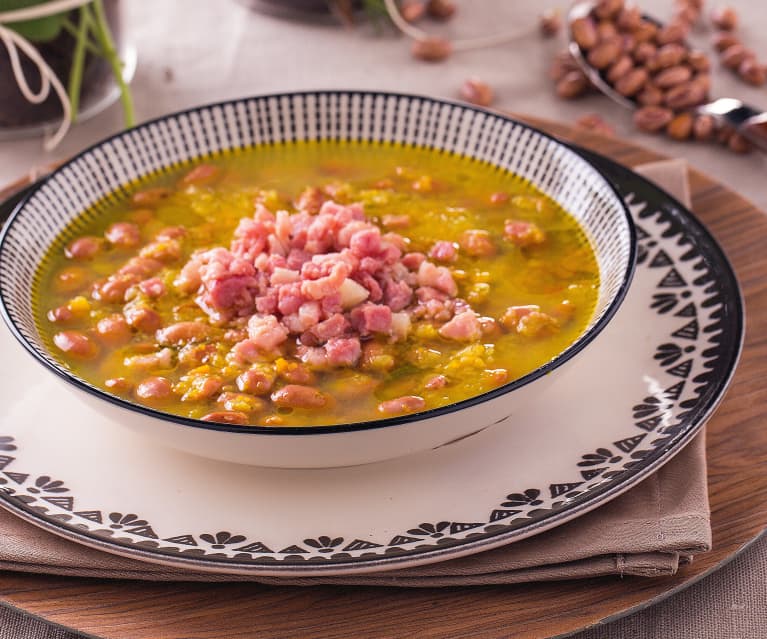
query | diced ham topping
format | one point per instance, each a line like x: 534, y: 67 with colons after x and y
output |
x: 324, y: 276
x: 464, y: 327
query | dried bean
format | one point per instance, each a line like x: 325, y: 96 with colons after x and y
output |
x: 584, y: 32
x: 733, y: 56
x: 723, y: 41
x: 632, y: 82
x: 432, y: 49
x: 475, y: 91
x: 703, y: 127
x: 619, y: 69
x: 752, y: 72
x: 672, y: 76
x: 604, y: 53
x: 550, y: 23
x: 652, y: 118
x: 724, y: 18
x: 575, y: 83
x: 440, y: 9
x: 680, y: 127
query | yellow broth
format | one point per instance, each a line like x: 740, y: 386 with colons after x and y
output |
x: 443, y: 195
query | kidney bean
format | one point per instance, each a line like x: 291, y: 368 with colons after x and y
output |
x: 584, y: 32
x: 182, y: 333
x: 431, y: 49
x: 113, y: 290
x: 673, y: 76
x: 573, y: 84
x: 652, y: 118
x: 150, y: 197
x: 644, y: 51
x: 475, y: 91
x: 436, y: 382
x: 70, y: 279
x: 619, y: 69
x: 550, y: 23
x: 650, y: 95
x: 738, y: 144
x: 440, y: 9
x: 226, y: 417
x: 123, y: 234
x: 723, y: 41
x: 629, y: 18
x: 143, y: 318
x: 113, y: 329
x: 202, y: 387
x: 668, y: 55
x: 153, y: 361
x: 698, y: 61
x: 724, y: 18
x: 154, y: 389
x: 733, y: 56
x: 703, y: 127
x: 256, y: 381
x: 606, y: 30
x: 602, y: 55
x: 298, y: 396
x: 140, y: 216
x: 752, y: 72
x: 632, y: 82
x: 83, y: 248
x: 240, y: 402
x: 76, y: 344
x: 685, y: 96
x: 119, y: 385
x: 672, y: 32
x: 60, y: 315
x: 680, y: 128
x: 399, y: 405
x: 202, y: 174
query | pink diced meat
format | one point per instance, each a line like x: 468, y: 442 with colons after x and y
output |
x: 443, y: 252
x: 464, y: 327
x: 266, y: 332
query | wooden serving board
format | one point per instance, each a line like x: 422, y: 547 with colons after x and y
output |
x: 737, y: 459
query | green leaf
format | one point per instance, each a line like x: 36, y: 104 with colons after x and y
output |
x: 39, y: 30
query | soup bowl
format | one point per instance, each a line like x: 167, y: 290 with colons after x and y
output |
x: 105, y: 171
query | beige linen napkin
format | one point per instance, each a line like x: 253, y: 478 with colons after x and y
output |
x: 648, y: 531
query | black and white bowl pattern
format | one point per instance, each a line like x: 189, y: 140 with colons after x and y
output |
x: 105, y: 172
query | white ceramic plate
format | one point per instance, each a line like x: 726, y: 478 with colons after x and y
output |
x: 625, y: 407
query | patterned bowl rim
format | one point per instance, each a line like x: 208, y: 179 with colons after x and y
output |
x: 564, y: 356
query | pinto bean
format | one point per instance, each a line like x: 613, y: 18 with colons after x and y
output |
x: 119, y: 385
x: 150, y: 197
x: 153, y: 361
x: 404, y: 404
x: 142, y: 267
x: 60, y: 315
x: 154, y: 389
x: 113, y: 329
x: 256, y: 381
x: 114, y: 288
x: 123, y: 234
x: 76, y: 344
x: 143, y: 318
x: 170, y: 233
x: 294, y: 372
x: 298, y: 396
x: 162, y: 251
x: 203, y: 387
x: 183, y: 333
x: 226, y: 417
x: 70, y: 279
x: 436, y: 382
x: 202, y: 174
x: 240, y: 402
x: 83, y: 248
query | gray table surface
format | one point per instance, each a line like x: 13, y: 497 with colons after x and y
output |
x: 196, y: 51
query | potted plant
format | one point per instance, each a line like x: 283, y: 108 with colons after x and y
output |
x: 57, y: 57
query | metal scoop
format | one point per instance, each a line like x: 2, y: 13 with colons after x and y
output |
x: 748, y: 121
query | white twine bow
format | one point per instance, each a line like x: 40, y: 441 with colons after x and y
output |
x: 14, y: 43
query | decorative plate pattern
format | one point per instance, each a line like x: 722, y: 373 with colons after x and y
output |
x: 670, y: 353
